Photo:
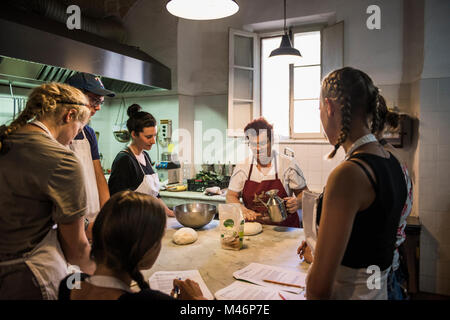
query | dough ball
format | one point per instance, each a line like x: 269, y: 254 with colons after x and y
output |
x: 185, y: 236
x: 252, y: 228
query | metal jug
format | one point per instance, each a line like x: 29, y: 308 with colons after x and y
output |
x: 275, y: 206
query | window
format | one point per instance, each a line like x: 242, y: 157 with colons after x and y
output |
x: 290, y: 93
x: 287, y: 95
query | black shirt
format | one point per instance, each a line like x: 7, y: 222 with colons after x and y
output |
x: 372, y: 241
x: 145, y: 295
x: 126, y: 172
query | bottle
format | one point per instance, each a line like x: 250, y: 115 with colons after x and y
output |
x: 186, y: 172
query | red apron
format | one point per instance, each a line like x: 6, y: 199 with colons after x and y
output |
x: 254, y: 190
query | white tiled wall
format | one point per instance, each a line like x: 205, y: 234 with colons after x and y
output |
x: 434, y: 185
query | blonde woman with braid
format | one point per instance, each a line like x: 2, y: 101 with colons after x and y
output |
x: 43, y: 198
x: 358, y: 213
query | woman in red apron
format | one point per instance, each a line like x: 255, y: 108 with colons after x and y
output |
x: 253, y: 191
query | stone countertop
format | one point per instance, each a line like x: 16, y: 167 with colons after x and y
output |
x: 275, y: 246
x: 192, y: 195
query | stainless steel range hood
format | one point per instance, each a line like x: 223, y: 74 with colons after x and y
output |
x: 34, y: 50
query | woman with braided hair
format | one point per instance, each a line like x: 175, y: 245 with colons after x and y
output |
x: 127, y: 237
x: 41, y: 183
x: 358, y: 213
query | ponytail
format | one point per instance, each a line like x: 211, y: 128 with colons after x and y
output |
x: 136, y: 275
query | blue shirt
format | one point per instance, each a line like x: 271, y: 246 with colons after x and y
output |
x: 91, y: 137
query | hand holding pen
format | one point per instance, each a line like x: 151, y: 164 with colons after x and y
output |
x: 186, y: 290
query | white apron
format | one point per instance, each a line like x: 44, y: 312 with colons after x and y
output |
x: 82, y: 150
x: 150, y: 184
x: 350, y: 283
x: 46, y: 261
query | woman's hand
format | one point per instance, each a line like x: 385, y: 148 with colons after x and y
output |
x: 250, y: 215
x: 304, y: 251
x: 292, y: 204
x: 188, y: 290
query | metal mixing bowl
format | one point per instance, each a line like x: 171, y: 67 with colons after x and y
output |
x: 195, y: 215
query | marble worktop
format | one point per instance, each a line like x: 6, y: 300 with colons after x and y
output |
x: 275, y: 246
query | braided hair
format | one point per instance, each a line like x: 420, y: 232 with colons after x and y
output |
x: 356, y: 93
x: 48, y: 101
x: 127, y: 227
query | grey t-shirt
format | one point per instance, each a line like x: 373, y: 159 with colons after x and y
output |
x: 41, y: 183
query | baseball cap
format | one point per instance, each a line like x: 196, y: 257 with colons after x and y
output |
x: 89, y: 82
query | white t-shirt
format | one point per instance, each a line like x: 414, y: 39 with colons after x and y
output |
x: 289, y: 173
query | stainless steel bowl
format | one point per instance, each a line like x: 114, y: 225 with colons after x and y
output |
x: 195, y: 215
x: 122, y: 136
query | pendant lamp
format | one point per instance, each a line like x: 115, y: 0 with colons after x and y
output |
x: 202, y: 9
x: 286, y: 52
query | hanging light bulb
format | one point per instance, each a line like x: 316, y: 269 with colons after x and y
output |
x: 201, y: 9
x: 286, y: 52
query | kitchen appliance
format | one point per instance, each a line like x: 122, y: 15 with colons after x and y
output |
x: 123, y: 68
x: 169, y: 171
x: 195, y: 215
x: 275, y: 206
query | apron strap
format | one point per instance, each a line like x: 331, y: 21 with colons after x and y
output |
x: 132, y: 153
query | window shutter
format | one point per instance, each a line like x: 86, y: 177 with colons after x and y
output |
x: 332, y: 48
x: 243, y: 80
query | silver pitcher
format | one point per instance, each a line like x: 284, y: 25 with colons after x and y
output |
x: 275, y: 206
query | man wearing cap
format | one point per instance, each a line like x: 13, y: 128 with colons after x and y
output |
x: 85, y: 143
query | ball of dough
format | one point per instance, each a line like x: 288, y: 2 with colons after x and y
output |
x: 252, y: 228
x: 185, y: 236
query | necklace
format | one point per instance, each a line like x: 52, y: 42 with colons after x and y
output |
x: 368, y: 138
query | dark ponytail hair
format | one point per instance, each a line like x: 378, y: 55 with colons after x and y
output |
x: 128, y: 225
x: 356, y: 93
x: 138, y: 120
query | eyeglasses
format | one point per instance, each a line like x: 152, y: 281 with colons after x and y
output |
x: 261, y: 144
x: 96, y: 101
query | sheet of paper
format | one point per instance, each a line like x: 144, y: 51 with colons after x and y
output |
x: 163, y: 281
x: 256, y: 273
x: 239, y: 290
x: 309, y: 203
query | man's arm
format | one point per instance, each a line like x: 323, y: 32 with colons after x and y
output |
x: 102, y: 185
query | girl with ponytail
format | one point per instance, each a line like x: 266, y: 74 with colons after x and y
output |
x: 41, y: 183
x: 126, y: 238
x: 358, y: 213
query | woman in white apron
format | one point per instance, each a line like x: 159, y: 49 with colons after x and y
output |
x: 351, y: 227
x: 42, y: 185
x: 132, y: 168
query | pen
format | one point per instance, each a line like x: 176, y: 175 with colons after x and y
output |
x: 284, y: 284
x: 281, y: 296
x: 177, y: 291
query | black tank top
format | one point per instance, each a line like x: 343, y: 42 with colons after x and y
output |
x: 372, y: 241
